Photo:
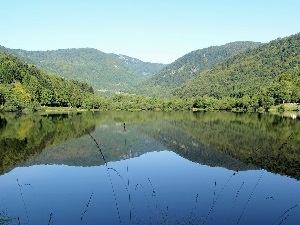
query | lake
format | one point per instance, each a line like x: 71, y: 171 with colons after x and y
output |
x: 149, y: 168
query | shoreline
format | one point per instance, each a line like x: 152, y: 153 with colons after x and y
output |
x: 287, y: 110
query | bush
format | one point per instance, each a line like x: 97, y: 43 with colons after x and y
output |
x: 281, y: 109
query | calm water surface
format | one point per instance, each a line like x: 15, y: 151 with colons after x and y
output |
x: 157, y: 168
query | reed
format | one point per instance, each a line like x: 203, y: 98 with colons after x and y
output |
x: 86, y: 208
x: 129, y: 195
x: 217, y: 198
x: 127, y: 188
x: 147, y: 201
x: 248, y: 200
x: 153, y: 195
x: 284, y: 215
x: 50, y: 218
x: 98, y: 148
x: 110, y: 178
x: 163, y: 215
x: 235, y: 199
x: 23, y: 200
x: 192, y: 219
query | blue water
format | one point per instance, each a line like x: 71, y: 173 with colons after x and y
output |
x: 154, y: 188
x: 163, y: 168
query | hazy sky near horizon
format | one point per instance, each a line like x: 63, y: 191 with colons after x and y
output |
x: 150, y: 30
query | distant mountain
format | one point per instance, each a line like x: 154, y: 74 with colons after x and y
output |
x: 145, y: 69
x: 189, y: 66
x: 247, y: 72
x: 101, y: 70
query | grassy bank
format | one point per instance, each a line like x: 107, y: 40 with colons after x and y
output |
x: 45, y: 110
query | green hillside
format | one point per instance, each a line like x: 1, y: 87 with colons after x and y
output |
x: 23, y: 86
x: 241, y: 76
x: 272, y: 69
x: 102, y: 71
x: 189, y: 66
x: 145, y: 69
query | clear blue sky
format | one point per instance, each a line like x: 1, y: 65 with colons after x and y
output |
x: 151, y: 30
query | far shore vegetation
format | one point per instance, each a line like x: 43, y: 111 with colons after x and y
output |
x: 259, y: 79
x: 141, y: 103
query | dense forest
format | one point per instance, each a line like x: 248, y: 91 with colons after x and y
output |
x: 269, y: 73
x: 239, y: 76
x: 23, y: 86
x: 189, y: 66
x: 104, y: 72
x: 145, y: 69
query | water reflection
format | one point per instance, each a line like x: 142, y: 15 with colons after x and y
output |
x: 163, y: 168
x: 233, y: 141
x: 156, y: 188
x: 22, y: 136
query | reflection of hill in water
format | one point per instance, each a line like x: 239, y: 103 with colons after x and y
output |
x: 270, y: 142
x: 117, y: 144
x: 114, y: 142
x: 176, y: 139
x: 22, y: 136
x: 230, y: 140
x: 152, y: 134
x: 233, y: 141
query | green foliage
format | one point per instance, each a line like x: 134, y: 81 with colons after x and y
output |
x: 139, y: 103
x: 189, y: 66
x: 105, y: 72
x: 281, y: 109
x: 285, y: 88
x: 247, y: 72
x: 25, y: 87
x: 145, y: 69
x: 266, y: 102
x: 239, y: 76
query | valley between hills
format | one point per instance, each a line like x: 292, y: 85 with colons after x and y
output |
x: 238, y: 76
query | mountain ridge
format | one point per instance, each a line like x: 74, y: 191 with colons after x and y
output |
x: 247, y: 72
x: 24, y: 86
x: 147, y: 70
x: 103, y: 71
x: 189, y: 66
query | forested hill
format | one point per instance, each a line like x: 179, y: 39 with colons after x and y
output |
x: 146, y: 69
x: 101, y: 70
x: 274, y: 66
x: 23, y: 86
x: 189, y: 66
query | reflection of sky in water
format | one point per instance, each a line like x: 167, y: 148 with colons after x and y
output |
x: 164, y: 188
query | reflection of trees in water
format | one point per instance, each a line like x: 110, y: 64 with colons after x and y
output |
x: 2, y: 122
x: 24, y: 136
x: 270, y: 142
x: 230, y: 140
x: 171, y: 135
